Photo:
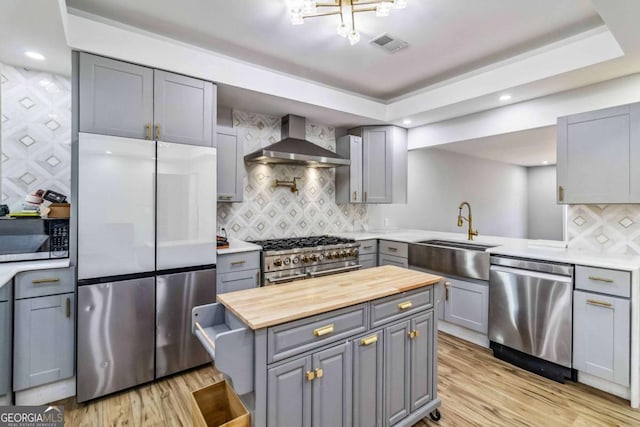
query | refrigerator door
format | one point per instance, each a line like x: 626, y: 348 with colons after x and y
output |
x: 177, y: 294
x: 116, y: 230
x: 186, y: 208
x: 116, y: 323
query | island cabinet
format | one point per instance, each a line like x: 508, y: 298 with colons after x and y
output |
x: 362, y: 355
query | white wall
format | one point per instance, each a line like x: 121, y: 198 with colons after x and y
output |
x: 439, y: 180
x: 544, y: 216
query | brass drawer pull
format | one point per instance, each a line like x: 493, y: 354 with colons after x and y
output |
x: 158, y: 131
x: 310, y: 375
x: 148, y: 126
x: 367, y: 247
x: 44, y: 281
x: 413, y: 334
x: 561, y: 193
x: 392, y: 249
x: 405, y: 305
x: 600, y: 279
x: 355, y: 195
x: 238, y: 262
x: 319, y: 373
x: 224, y: 197
x: 325, y: 330
x: 599, y: 303
x: 369, y: 340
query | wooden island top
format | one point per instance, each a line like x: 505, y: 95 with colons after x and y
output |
x: 272, y: 305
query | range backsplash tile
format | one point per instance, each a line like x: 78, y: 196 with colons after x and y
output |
x: 613, y: 229
x: 36, y: 133
x: 269, y: 212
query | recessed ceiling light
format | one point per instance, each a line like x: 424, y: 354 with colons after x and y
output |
x: 545, y: 162
x: 406, y: 122
x: 107, y: 152
x: 35, y: 55
x: 505, y: 97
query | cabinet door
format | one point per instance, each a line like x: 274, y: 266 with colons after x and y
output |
x: 331, y: 388
x: 634, y: 153
x: 593, y: 157
x: 368, y: 371
x: 183, y: 109
x: 394, y: 260
x: 467, y: 304
x: 421, y: 360
x: 397, y: 372
x: 377, y: 164
x: 238, y: 281
x: 5, y: 347
x: 44, y: 340
x: 355, y: 170
x: 601, y: 336
x: 116, y: 98
x: 289, y: 394
x: 230, y: 168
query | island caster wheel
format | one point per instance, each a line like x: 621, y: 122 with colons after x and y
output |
x: 435, y: 415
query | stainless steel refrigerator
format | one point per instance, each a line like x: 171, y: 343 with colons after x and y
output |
x: 146, y: 256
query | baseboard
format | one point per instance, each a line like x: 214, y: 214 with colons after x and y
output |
x: 5, y: 400
x: 604, y: 385
x: 464, y: 333
x: 47, y: 393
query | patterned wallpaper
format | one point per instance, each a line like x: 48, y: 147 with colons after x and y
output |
x: 269, y: 212
x: 36, y: 133
x: 613, y: 229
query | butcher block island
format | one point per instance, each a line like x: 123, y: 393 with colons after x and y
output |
x: 350, y: 349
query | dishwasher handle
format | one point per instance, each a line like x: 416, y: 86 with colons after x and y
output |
x: 529, y: 273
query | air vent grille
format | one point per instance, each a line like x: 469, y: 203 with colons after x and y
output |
x: 389, y: 43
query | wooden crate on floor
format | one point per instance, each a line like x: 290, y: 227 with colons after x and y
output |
x: 218, y: 405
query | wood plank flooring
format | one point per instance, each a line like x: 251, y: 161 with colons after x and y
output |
x: 475, y: 388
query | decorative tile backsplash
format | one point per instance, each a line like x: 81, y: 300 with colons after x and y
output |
x: 269, y: 212
x: 613, y: 229
x: 36, y: 133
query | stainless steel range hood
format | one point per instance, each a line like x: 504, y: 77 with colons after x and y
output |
x: 293, y: 149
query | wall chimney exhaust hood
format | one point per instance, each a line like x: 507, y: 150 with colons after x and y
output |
x: 293, y: 149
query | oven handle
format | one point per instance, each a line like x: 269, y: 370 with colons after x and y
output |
x: 530, y: 273
x: 284, y: 279
x: 334, y: 270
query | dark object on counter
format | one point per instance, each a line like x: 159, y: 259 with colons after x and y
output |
x: 54, y: 197
x: 4, y: 210
x: 222, y: 242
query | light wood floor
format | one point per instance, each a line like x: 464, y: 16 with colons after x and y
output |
x: 475, y: 388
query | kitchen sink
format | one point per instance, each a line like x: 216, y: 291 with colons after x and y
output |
x: 462, y: 259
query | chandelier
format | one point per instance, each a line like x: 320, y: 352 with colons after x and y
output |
x: 299, y: 10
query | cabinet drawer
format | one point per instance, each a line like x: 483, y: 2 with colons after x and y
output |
x: 238, y: 262
x: 37, y: 283
x: 305, y: 334
x: 368, y: 247
x: 238, y: 281
x: 394, y: 260
x: 368, y: 260
x: 389, y: 247
x: 396, y: 307
x: 602, y: 280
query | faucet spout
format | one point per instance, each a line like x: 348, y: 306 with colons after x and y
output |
x: 470, y: 232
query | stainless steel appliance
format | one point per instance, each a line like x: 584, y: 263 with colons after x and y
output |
x: 285, y: 260
x: 33, y: 238
x: 143, y: 217
x: 530, y: 319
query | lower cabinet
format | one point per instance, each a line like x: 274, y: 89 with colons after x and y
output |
x: 5, y: 346
x: 467, y: 304
x: 44, y: 340
x: 601, y: 336
x: 312, y: 390
x: 394, y: 260
x: 368, y: 376
x: 238, y: 281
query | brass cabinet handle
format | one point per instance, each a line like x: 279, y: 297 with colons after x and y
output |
x: 447, y: 285
x: 392, y: 248
x: 369, y: 340
x: 325, y: 330
x: 158, y: 131
x: 367, y: 247
x: 560, y: 193
x: 44, y: 281
x: 148, y: 127
x: 68, y: 308
x: 319, y: 372
x: 355, y: 196
x: 310, y: 375
x: 405, y: 305
x: 599, y: 303
x: 600, y: 279
x: 365, y: 197
x: 257, y: 278
x: 413, y: 334
x: 242, y: 261
x: 224, y: 197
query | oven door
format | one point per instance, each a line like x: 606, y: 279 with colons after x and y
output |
x: 277, y: 277
x: 333, y: 268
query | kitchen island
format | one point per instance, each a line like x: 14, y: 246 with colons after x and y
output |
x: 356, y: 348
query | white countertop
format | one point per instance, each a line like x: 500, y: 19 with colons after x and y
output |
x: 237, y: 246
x: 10, y: 269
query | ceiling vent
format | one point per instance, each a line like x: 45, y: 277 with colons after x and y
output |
x: 388, y: 43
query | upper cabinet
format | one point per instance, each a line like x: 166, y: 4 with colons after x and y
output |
x: 122, y: 99
x: 378, y: 171
x: 230, y: 159
x: 595, y: 153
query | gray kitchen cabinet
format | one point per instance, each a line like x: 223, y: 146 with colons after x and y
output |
x: 378, y: 171
x: 368, y: 253
x: 289, y: 394
x: 601, y: 336
x: 466, y: 304
x: 116, y: 98
x: 5, y: 339
x: 331, y: 388
x: 393, y: 253
x: 183, y: 109
x: 397, y: 358
x: 421, y: 360
x: 238, y: 281
x: 237, y: 271
x: 44, y: 340
x: 230, y: 165
x: 368, y: 377
x: 595, y: 151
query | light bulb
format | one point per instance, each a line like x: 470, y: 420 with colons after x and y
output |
x: 354, y: 37
x: 296, y: 16
x: 383, y: 9
x: 342, y: 30
x: 309, y: 7
x: 399, y: 4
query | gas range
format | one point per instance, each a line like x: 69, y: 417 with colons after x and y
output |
x: 286, y: 260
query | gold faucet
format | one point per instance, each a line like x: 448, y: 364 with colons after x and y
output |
x: 461, y: 218
x: 293, y: 185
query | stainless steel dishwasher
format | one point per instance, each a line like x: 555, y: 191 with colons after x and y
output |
x: 530, y: 315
